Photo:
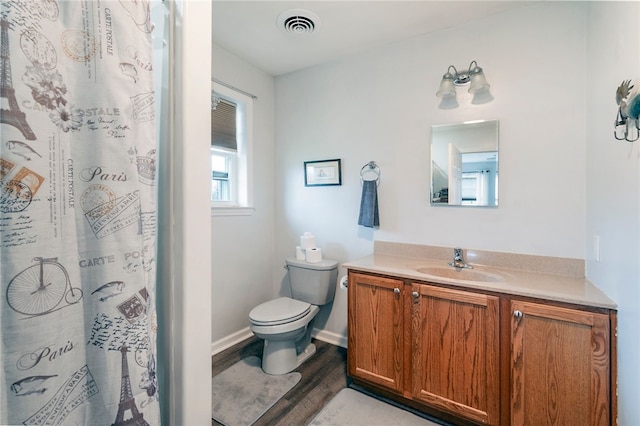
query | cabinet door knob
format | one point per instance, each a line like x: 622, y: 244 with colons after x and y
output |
x: 415, y: 294
x: 517, y: 314
x: 396, y: 290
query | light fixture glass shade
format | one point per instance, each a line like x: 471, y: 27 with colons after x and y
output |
x: 447, y: 88
x: 478, y: 81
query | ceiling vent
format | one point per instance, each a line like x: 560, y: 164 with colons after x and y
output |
x: 298, y: 22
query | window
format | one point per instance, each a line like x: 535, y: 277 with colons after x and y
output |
x: 231, y: 147
x: 222, y: 168
x: 470, y: 187
x: 477, y: 189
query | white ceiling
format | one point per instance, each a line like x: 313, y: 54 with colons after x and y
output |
x: 248, y: 28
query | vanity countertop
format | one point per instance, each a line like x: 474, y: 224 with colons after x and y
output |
x: 556, y: 287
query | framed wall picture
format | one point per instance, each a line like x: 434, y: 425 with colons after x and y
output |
x: 322, y: 173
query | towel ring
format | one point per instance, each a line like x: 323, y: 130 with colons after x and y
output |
x: 370, y: 172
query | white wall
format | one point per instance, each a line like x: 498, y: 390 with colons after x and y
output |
x: 381, y: 106
x: 613, y: 184
x: 186, y: 352
x: 242, y: 246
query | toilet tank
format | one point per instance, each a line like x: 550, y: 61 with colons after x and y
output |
x: 313, y: 283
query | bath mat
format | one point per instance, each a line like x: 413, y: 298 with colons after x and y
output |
x: 242, y: 393
x: 350, y: 407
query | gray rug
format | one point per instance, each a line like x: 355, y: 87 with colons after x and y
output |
x: 350, y: 407
x: 243, y: 392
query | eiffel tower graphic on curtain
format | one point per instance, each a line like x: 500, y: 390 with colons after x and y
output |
x: 13, y: 115
x: 127, y: 401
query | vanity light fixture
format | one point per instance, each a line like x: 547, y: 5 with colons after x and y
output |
x: 627, y: 124
x: 474, y: 76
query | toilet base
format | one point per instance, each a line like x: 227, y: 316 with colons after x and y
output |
x: 286, y: 348
x: 278, y: 356
x: 281, y: 357
x: 306, y: 354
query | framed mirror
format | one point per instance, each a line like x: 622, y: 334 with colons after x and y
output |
x: 464, y: 164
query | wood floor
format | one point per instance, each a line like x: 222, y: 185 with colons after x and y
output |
x: 323, y: 376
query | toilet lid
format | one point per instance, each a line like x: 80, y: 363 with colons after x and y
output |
x: 279, y: 311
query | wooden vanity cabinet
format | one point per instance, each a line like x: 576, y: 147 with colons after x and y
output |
x: 455, y: 347
x: 560, y: 366
x: 482, y: 358
x: 452, y: 337
x: 376, y: 324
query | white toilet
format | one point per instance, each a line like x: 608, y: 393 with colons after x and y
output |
x: 285, y: 323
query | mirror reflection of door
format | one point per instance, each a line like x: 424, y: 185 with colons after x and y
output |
x: 455, y: 175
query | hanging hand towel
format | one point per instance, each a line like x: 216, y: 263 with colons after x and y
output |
x: 369, y: 205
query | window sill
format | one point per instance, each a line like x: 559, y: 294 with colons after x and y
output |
x: 232, y: 211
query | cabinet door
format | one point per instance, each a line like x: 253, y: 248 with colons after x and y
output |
x: 375, y: 330
x: 560, y: 366
x: 455, y: 350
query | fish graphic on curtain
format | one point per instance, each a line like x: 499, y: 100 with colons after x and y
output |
x: 77, y: 214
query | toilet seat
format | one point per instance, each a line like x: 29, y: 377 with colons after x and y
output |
x: 279, y: 311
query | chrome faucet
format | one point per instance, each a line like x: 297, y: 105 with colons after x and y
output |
x: 458, y: 260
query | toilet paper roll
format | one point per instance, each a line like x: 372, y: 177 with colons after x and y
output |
x: 314, y: 255
x: 300, y: 254
x: 344, y: 282
x: 307, y: 241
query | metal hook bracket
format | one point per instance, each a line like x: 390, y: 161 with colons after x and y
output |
x: 370, y: 172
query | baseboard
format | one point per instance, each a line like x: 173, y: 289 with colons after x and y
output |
x: 330, y: 337
x: 237, y: 337
x: 230, y: 340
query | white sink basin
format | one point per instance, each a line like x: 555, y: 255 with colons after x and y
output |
x: 478, y: 275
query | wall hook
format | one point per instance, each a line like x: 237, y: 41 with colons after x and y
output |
x: 370, y: 172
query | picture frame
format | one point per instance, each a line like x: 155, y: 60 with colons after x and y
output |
x: 322, y: 173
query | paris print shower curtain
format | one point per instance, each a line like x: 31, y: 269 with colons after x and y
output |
x: 77, y: 214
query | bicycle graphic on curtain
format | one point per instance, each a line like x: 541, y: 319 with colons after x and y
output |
x: 40, y: 288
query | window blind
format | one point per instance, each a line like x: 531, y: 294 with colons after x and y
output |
x: 223, y: 125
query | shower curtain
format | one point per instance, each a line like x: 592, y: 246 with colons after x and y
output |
x: 77, y: 214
